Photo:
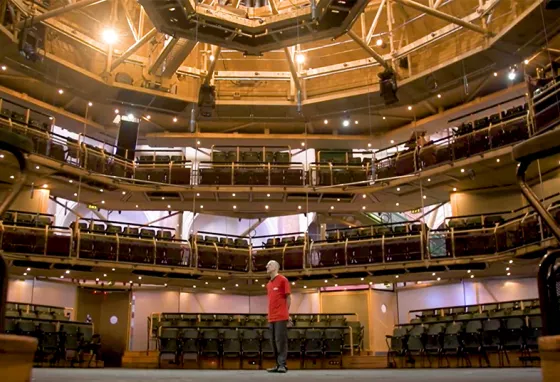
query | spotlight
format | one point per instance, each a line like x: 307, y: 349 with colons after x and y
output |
x: 356, y: 122
x: 346, y: 123
x: 299, y: 207
x: 462, y: 170
x: 511, y: 75
x: 472, y: 276
x: 439, y: 278
x: 201, y: 206
x: 439, y: 95
x: 495, y: 74
x: 332, y: 207
x: 67, y: 272
x: 303, y: 143
x: 397, y: 204
x: 369, y: 145
x: 526, y: 62
x: 148, y: 117
x: 388, y: 86
x: 266, y: 207
x: 392, y: 141
x: 45, y: 186
x: 364, y: 196
x: 363, y: 207
x: 300, y: 58
x: 410, y: 108
x: 398, y: 189
x: 109, y: 36
x: 379, y: 42
x: 454, y: 189
x: 4, y: 67
x: 234, y: 207
x: 384, y: 118
x: 90, y: 104
x: 174, y: 119
x: 206, y: 100
x: 469, y: 271
x: 60, y: 91
x: 326, y: 121
x: 130, y: 116
x: 103, y: 202
x: 116, y: 111
x: 211, y: 58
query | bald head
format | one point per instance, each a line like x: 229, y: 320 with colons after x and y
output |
x: 272, y: 267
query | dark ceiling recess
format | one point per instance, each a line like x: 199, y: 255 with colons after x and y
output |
x: 254, y: 3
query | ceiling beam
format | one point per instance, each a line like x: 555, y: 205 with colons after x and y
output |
x: 443, y: 16
x: 252, y: 227
x: 293, y: 70
x: 376, y: 56
x: 129, y: 21
x: 212, y: 66
x: 375, y: 21
x: 33, y: 20
x: 133, y: 48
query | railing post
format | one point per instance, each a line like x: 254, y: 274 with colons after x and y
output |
x: 453, y: 242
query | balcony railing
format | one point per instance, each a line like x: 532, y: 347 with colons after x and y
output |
x: 410, y: 243
x: 165, y: 167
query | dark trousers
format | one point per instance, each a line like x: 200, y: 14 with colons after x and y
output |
x: 279, y: 339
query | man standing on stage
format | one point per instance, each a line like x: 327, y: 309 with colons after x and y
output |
x: 279, y: 299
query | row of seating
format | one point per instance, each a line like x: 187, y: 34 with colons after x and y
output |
x: 14, y: 310
x: 500, y: 309
x: 26, y: 219
x: 126, y: 230
x: 510, y: 129
x: 21, y: 118
x: 463, y: 338
x: 253, y: 344
x: 55, y: 338
x: 252, y: 175
x: 361, y: 246
x: 251, y: 157
x: 251, y: 320
x: 546, y: 104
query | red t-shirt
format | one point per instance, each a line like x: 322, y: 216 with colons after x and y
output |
x: 278, y: 290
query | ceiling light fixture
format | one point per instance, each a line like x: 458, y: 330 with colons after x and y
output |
x: 410, y: 108
x: 495, y: 74
x: 379, y: 42
x: 439, y: 278
x: 60, y: 91
x: 90, y: 104
x: 109, y: 36
x: 148, y: 117
x: 363, y: 207
x: 234, y: 207
x: 266, y: 207
x: 4, y: 67
x: 45, y: 186
x: 201, y: 206
x: 116, y: 111
x: 346, y: 123
x: 526, y: 62
x: 299, y: 207
x: 439, y: 95
x: 300, y: 58
x: 130, y: 116
x: 175, y: 119
x: 332, y: 207
x: 211, y: 58
x: 326, y: 121
x: 397, y: 204
x: 392, y: 141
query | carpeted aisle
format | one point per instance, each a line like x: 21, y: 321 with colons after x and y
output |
x: 129, y: 375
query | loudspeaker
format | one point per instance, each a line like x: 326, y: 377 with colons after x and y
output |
x: 127, y: 138
x: 552, y: 4
x: 206, y: 100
